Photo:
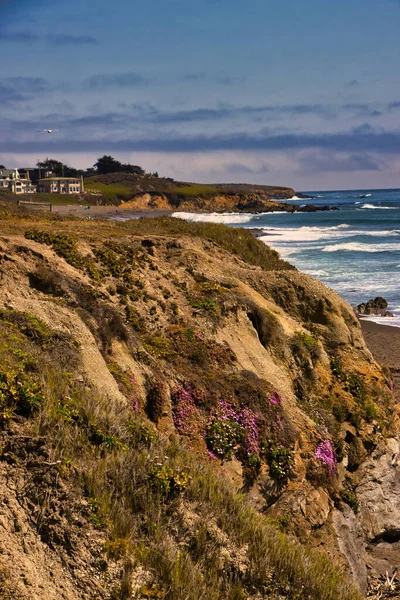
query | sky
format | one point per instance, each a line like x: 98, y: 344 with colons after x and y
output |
x: 304, y: 94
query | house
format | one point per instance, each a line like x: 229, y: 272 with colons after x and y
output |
x: 36, y: 173
x: 61, y: 185
x: 13, y: 181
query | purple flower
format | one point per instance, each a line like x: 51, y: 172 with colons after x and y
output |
x: 185, y: 414
x: 325, y: 454
x: 275, y: 399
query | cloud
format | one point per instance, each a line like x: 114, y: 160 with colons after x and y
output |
x: 352, y: 141
x: 27, y: 84
x: 332, y: 162
x: 19, y: 37
x: 230, y: 80
x: 30, y: 37
x: 362, y: 110
x: 352, y: 83
x: 243, y: 168
x: 117, y: 80
x: 194, y: 76
x: 71, y: 40
x: 229, y: 112
x: 17, y: 89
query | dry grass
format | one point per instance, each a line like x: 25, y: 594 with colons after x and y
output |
x: 122, y: 466
x: 239, y: 242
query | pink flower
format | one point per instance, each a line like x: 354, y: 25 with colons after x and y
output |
x: 325, y: 454
x: 275, y: 398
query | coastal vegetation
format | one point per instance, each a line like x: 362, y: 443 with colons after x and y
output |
x: 171, y: 393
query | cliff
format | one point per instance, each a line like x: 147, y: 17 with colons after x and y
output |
x: 183, y: 415
x: 149, y: 192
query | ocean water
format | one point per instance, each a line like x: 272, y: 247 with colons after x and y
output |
x: 354, y: 250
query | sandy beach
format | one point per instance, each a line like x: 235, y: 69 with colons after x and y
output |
x: 384, y: 343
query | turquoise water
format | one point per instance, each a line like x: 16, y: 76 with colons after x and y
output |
x: 354, y: 250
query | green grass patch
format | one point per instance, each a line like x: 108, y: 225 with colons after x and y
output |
x: 112, y: 191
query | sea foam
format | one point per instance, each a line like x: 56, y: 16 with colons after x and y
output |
x: 357, y: 247
x: 214, y: 217
x: 374, y: 207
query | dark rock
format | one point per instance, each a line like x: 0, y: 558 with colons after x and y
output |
x: 374, y: 307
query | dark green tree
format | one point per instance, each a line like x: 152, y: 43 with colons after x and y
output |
x: 107, y: 164
x: 58, y: 168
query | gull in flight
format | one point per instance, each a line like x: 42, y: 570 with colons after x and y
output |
x: 47, y: 130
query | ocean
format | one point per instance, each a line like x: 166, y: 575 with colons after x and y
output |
x: 354, y: 250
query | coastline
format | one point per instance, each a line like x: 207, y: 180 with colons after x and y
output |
x: 383, y: 341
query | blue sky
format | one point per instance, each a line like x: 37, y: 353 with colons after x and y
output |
x: 301, y: 94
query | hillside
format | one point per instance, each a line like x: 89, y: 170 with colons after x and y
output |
x: 164, y: 193
x: 184, y: 416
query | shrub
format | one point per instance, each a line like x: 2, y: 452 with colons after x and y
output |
x: 18, y: 394
x: 47, y: 281
x: 349, y: 497
x: 234, y: 431
x: 280, y: 461
x: 111, y: 326
x: 169, y: 481
x: 155, y: 401
x: 185, y: 413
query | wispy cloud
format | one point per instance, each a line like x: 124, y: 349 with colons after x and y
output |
x: 331, y: 162
x: 351, y: 84
x: 117, y: 80
x: 354, y: 141
x: 17, y: 89
x: 30, y: 37
x: 230, y: 112
x: 71, y: 40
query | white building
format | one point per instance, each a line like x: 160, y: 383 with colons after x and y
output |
x: 61, y: 185
x: 12, y: 181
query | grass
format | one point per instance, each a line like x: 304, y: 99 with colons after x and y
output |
x: 112, y: 191
x: 239, y: 242
x: 137, y: 485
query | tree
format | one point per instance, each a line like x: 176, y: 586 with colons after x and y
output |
x: 2, y: 167
x: 107, y: 164
x: 58, y: 168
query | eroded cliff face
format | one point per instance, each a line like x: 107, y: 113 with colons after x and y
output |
x: 263, y: 374
x: 218, y: 203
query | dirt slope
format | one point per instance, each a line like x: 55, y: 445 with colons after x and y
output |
x: 262, y: 375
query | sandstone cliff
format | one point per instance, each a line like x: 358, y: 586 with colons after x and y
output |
x: 184, y: 416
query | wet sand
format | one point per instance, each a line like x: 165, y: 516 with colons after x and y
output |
x: 384, y: 343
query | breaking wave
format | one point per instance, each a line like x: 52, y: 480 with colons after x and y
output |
x: 357, y: 247
x: 374, y: 207
x: 214, y: 217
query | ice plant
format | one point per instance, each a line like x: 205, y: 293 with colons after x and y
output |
x: 248, y: 422
x: 275, y: 399
x: 233, y: 430
x: 325, y: 454
x: 185, y: 414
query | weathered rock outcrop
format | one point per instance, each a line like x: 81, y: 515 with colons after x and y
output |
x: 374, y: 307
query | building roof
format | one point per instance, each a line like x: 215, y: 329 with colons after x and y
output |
x: 7, y: 172
x: 60, y: 179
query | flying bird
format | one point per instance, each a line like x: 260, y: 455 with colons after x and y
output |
x: 47, y: 130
